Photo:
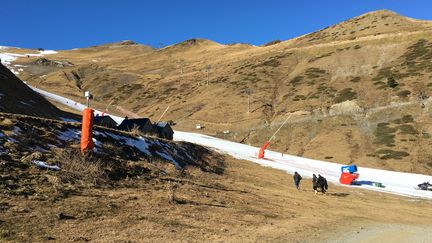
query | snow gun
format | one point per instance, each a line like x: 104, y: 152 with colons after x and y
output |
x: 349, y: 174
x: 267, y: 143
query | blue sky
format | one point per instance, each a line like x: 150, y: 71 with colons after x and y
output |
x: 66, y: 24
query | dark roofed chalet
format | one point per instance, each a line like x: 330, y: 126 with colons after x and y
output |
x: 164, y: 130
x: 104, y: 121
x: 143, y: 124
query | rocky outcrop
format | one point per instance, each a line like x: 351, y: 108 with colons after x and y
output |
x: 53, y: 63
x: 345, y: 108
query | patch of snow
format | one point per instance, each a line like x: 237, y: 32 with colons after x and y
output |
x: 97, y: 143
x: 20, y: 69
x: 9, y: 47
x: 24, y: 103
x: 169, y: 158
x: 47, y: 52
x: 40, y: 149
x: 16, y: 131
x: 97, y: 133
x: 42, y: 164
x: 68, y: 135
x: 67, y: 119
x: 139, y: 143
x: 18, y: 65
x: 14, y: 72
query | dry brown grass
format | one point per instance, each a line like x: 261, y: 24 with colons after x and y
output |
x: 136, y: 131
x: 249, y: 203
x: 78, y: 168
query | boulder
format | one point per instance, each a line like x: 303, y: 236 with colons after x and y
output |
x: 345, y: 108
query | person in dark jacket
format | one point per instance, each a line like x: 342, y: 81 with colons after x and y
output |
x: 322, y: 183
x: 297, y: 178
x: 314, y: 183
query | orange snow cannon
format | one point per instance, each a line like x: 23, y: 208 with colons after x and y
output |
x: 87, y: 130
x: 349, y: 174
x: 262, y: 150
x: 347, y: 178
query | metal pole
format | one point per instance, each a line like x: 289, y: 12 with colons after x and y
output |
x: 280, y: 127
x: 162, y: 114
x: 106, y: 109
x: 248, y: 102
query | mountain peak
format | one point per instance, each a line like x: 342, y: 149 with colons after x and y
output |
x: 373, y: 23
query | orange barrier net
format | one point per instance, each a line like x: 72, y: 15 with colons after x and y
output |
x: 87, y: 130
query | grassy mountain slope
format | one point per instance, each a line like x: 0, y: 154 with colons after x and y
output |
x: 16, y: 97
x: 378, y: 60
x: 111, y: 196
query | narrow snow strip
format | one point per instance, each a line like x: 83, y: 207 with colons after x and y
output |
x: 395, y: 182
x: 72, y: 104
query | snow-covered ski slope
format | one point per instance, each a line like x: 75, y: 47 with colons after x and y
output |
x: 394, y: 182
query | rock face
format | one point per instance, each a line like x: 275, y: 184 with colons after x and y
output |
x: 345, y: 108
x: 45, y: 62
x: 128, y: 42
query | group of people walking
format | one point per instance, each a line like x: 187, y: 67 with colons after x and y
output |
x: 318, y: 183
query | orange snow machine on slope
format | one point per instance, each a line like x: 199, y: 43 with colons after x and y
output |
x: 87, y: 131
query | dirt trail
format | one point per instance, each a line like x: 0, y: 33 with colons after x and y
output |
x: 383, y: 233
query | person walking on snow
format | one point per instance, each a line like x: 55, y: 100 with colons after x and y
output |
x: 297, y: 178
x: 314, y: 183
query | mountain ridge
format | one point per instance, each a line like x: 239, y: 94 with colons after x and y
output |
x: 208, y: 83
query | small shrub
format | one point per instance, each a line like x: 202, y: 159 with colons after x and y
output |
x: 391, y: 82
x: 384, y: 135
x: 296, y: 80
x: 407, y: 119
x: 355, y: 79
x: 271, y: 63
x: 135, y: 131
x: 273, y: 42
x: 345, y: 94
x: 407, y: 129
x: 392, y: 154
x: 403, y: 93
x: 77, y: 168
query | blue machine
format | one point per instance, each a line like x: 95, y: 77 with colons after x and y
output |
x: 349, y: 168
